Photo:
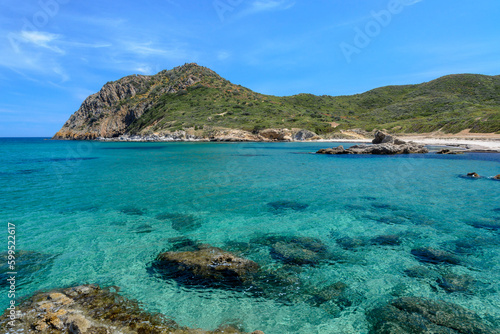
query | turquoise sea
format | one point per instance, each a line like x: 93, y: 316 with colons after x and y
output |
x: 94, y: 212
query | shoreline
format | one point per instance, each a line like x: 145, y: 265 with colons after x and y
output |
x: 466, y: 141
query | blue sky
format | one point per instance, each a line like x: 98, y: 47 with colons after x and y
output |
x: 54, y: 53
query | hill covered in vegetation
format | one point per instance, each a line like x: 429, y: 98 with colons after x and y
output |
x: 196, y: 100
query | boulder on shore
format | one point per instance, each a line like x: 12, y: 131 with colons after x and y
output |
x: 385, y: 138
x: 383, y: 144
x: 303, y: 134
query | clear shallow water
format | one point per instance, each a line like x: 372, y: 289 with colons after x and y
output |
x: 90, y: 209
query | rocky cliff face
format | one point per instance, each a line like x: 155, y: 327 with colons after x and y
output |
x: 109, y: 112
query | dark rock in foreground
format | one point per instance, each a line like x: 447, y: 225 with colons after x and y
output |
x: 435, y: 256
x: 209, y: 263
x: 383, y: 144
x: 417, y: 315
x: 88, y: 309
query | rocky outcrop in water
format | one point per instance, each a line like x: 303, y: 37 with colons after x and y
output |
x: 209, y: 263
x: 424, y: 316
x: 383, y: 144
x: 88, y: 309
x: 448, y: 151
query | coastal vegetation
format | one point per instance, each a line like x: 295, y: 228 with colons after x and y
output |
x: 195, y: 97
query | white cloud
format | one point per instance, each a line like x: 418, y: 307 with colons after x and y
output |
x: 145, y: 69
x: 41, y: 39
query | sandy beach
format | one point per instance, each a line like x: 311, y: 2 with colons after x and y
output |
x: 464, y: 139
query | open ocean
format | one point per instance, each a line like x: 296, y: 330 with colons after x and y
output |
x: 92, y: 212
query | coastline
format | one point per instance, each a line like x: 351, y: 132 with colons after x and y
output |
x: 475, y: 144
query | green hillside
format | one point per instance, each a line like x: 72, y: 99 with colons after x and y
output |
x: 451, y: 103
x: 192, y: 96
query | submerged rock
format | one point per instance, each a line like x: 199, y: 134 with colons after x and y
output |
x: 183, y: 244
x: 473, y: 245
x: 143, y: 228
x: 487, y: 224
x: 209, y: 263
x: 418, y: 315
x: 283, y: 206
x: 386, y: 240
x: 294, y: 250
x: 294, y: 253
x: 434, y: 256
x: 420, y: 272
x: 334, y: 292
x: 181, y: 222
x: 88, y: 309
x: 456, y: 283
x: 132, y: 211
x: 29, y: 265
x: 349, y: 243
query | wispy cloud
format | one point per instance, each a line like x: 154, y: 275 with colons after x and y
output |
x: 145, y: 69
x: 410, y: 2
x: 261, y: 6
x: 149, y: 49
x: 41, y: 39
x: 270, y: 5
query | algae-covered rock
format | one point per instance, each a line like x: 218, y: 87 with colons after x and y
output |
x: 451, y: 282
x: 435, y: 256
x: 418, y: 315
x: 294, y: 250
x: 88, y: 309
x: 210, y: 263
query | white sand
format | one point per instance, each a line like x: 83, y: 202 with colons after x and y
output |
x: 475, y: 144
x: 470, y: 143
